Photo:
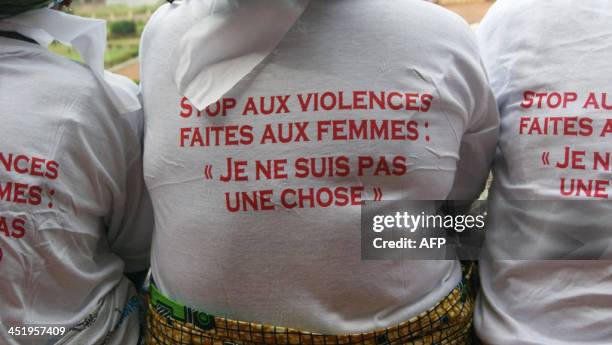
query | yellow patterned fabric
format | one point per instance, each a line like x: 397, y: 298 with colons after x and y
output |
x: 448, y: 323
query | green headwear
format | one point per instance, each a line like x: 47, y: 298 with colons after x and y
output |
x: 10, y: 8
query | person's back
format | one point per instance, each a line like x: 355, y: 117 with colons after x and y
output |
x: 549, y: 66
x: 71, y: 202
x: 257, y: 204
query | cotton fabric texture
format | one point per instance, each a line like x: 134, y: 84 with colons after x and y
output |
x: 74, y: 210
x: 545, y: 47
x: 291, y: 264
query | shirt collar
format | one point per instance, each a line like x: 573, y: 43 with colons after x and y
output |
x: 233, y: 37
x: 88, y: 37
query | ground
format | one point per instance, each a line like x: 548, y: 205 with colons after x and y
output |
x: 472, y: 12
x: 130, y: 69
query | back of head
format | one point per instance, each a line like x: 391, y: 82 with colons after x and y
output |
x: 10, y: 8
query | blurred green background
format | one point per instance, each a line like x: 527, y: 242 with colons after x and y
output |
x: 126, y: 20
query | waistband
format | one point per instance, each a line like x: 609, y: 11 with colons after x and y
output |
x: 169, y: 322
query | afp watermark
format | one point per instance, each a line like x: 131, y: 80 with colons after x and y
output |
x: 422, y: 230
x: 496, y: 230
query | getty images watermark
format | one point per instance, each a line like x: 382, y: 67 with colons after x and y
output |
x: 500, y: 230
x: 422, y: 230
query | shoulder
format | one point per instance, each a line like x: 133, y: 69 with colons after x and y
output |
x: 164, y: 30
x: 73, y: 77
x: 506, y: 15
x: 90, y: 108
x: 421, y: 24
x: 422, y: 15
x: 171, y: 20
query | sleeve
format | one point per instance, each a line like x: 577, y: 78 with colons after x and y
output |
x: 132, y: 239
x: 131, y: 219
x: 479, y: 140
x: 493, y: 41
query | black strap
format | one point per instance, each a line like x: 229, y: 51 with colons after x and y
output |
x: 16, y: 36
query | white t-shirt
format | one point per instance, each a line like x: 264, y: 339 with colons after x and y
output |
x: 549, y: 66
x: 74, y: 212
x: 278, y: 242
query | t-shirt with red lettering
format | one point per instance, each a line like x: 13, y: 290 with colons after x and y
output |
x: 548, y: 63
x: 74, y: 213
x: 257, y: 198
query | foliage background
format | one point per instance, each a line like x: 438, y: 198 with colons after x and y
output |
x: 125, y: 25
